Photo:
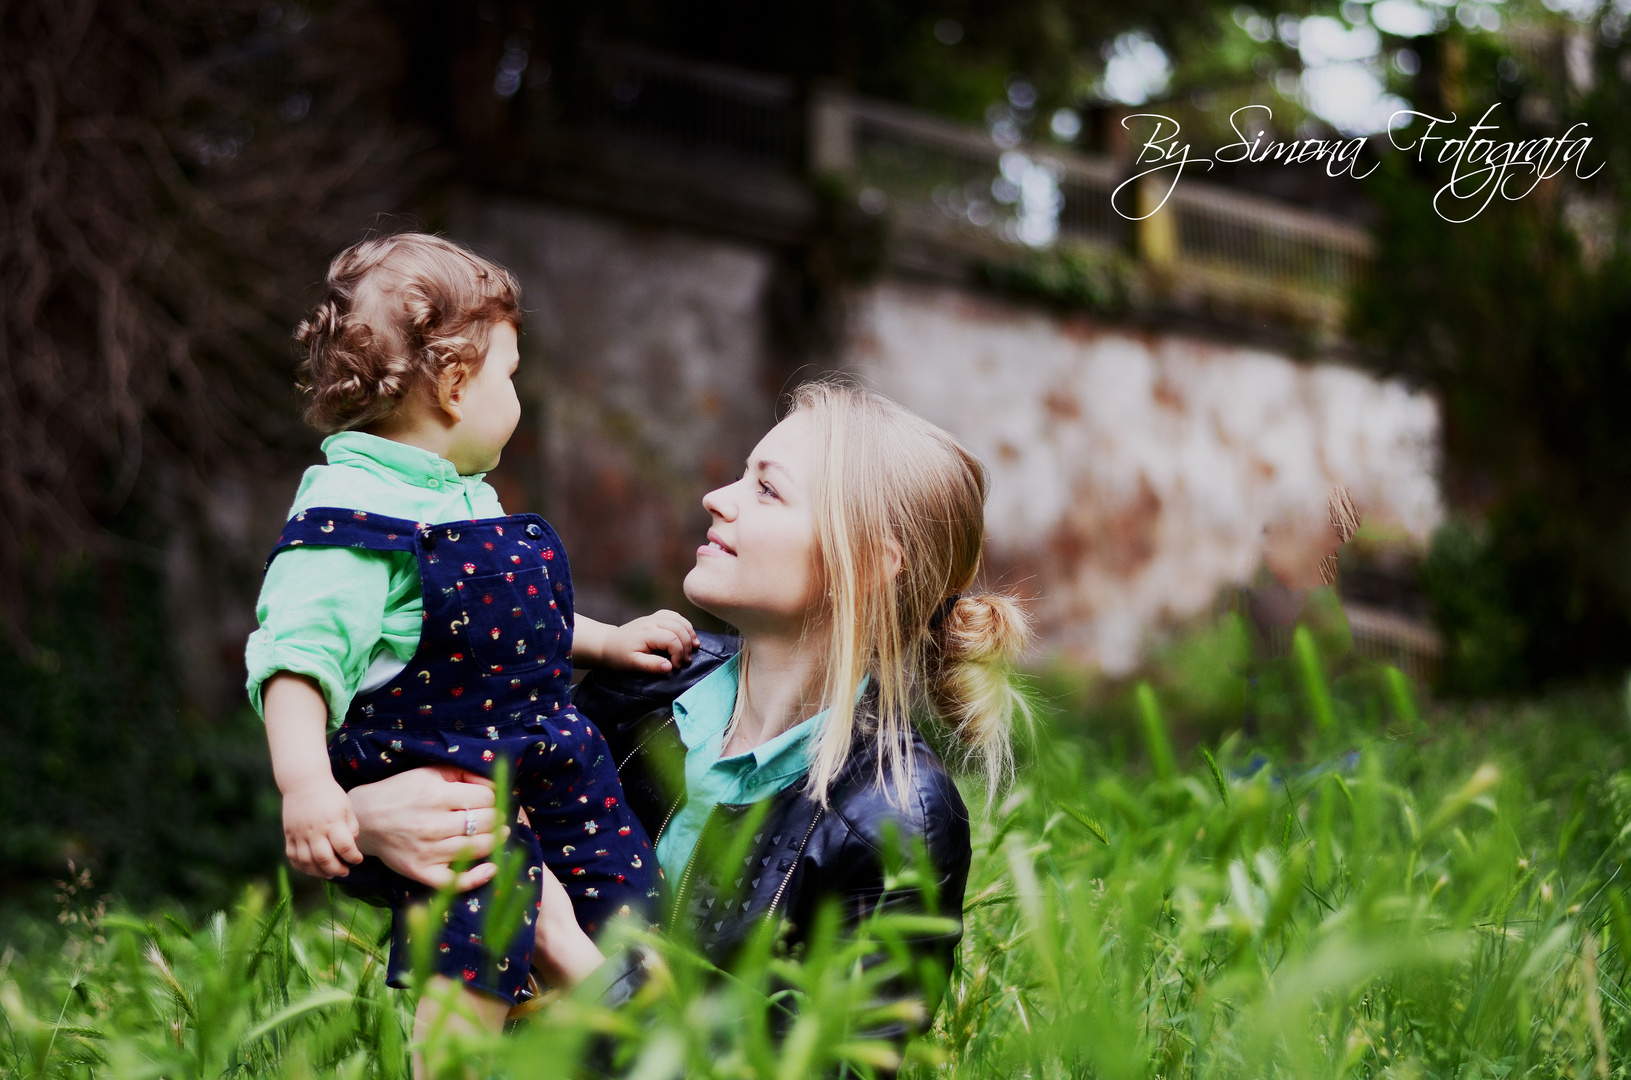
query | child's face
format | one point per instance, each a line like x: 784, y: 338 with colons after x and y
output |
x: 488, y: 406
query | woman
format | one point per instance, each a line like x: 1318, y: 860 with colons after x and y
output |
x: 843, y: 556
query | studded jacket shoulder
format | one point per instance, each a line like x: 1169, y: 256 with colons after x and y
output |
x: 801, y: 854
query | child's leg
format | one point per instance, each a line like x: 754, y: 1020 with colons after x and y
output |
x: 471, y: 987
x: 450, y: 1008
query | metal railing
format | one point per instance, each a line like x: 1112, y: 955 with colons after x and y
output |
x: 1378, y: 634
x: 935, y: 176
x: 1267, y: 240
x: 898, y: 156
x: 1087, y: 214
x: 692, y: 106
x: 1390, y: 638
x: 911, y: 158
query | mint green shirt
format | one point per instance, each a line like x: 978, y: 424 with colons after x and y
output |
x: 702, y: 714
x: 338, y: 613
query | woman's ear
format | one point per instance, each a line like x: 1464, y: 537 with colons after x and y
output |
x: 893, y: 558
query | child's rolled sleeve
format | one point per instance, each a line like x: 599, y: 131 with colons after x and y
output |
x: 320, y: 612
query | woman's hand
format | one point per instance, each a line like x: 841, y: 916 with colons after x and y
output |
x: 415, y: 823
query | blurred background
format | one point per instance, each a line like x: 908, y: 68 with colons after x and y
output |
x: 707, y: 202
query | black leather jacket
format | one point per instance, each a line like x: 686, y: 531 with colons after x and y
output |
x: 801, y: 853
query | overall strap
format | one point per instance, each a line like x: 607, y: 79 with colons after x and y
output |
x: 330, y: 526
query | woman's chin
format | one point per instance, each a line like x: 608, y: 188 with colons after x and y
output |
x: 696, y: 589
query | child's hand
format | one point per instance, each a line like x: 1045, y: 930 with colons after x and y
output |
x: 320, y: 829
x: 657, y: 643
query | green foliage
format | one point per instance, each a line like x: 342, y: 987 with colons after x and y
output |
x: 1208, y: 682
x: 891, y: 49
x: 1312, y: 677
x: 1202, y: 674
x: 257, y: 990
x: 99, y: 765
x: 1156, y: 743
x: 1484, y: 638
x: 1105, y: 282
x: 1516, y: 320
x: 1446, y: 904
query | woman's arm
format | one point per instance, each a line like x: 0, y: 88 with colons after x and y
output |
x: 415, y: 822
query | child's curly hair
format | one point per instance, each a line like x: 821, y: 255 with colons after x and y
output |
x: 397, y: 311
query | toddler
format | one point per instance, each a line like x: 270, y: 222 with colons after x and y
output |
x: 410, y: 621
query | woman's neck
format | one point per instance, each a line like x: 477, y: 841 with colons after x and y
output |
x: 780, y: 687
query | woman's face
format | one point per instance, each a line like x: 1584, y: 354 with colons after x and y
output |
x: 758, y: 569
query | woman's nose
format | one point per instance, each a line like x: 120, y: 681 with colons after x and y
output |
x: 719, y: 503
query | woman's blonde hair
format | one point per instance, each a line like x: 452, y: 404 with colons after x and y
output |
x: 396, y: 312
x: 1346, y: 518
x: 891, y: 485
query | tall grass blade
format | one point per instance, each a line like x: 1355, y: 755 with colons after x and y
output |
x: 1311, y: 673
x: 1154, y: 727
x: 1216, y: 773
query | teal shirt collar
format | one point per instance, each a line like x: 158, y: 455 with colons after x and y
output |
x: 396, y: 460
x: 703, y: 713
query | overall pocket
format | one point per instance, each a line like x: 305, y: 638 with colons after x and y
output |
x: 513, y: 621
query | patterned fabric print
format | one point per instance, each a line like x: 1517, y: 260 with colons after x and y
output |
x: 490, y: 682
x: 463, y: 953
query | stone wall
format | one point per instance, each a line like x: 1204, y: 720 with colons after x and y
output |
x: 1131, y: 472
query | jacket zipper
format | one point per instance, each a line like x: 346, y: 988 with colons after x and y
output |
x: 675, y: 805
x: 782, y: 888
x: 642, y: 744
x: 664, y: 826
x: 690, y: 864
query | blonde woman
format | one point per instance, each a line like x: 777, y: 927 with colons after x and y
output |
x: 845, y: 556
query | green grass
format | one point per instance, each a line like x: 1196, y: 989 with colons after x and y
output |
x: 1381, y: 895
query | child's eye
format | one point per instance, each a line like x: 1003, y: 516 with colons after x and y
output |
x: 766, y: 489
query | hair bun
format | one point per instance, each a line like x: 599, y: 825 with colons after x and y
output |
x: 984, y: 627
x: 979, y: 641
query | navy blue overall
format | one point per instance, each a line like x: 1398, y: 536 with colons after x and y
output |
x: 491, y: 680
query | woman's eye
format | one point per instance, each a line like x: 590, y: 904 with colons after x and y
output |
x: 766, y: 489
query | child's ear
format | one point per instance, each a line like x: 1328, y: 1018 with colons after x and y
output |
x: 450, y: 389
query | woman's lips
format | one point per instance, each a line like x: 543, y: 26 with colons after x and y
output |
x: 715, y: 546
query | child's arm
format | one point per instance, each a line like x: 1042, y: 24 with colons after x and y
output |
x: 319, y: 828
x: 639, y: 645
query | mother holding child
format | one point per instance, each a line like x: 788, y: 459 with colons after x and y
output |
x: 413, y: 636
